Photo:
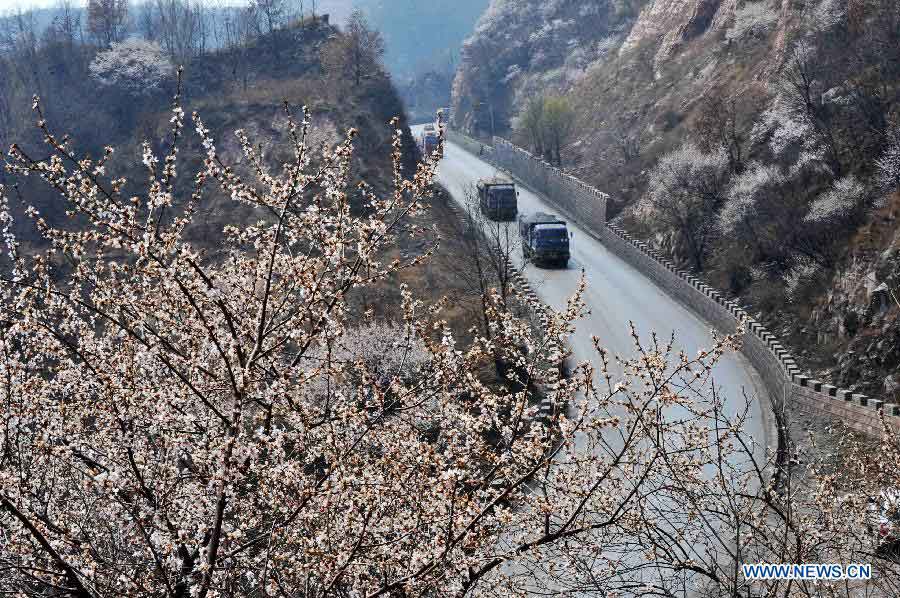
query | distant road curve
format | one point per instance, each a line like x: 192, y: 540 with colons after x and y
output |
x: 616, y: 294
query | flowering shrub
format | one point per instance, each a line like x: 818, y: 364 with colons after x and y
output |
x: 136, y: 66
x: 802, y: 273
x: 838, y: 203
x: 887, y: 166
x: 828, y: 14
x: 685, y: 190
x: 782, y: 128
x: 747, y: 189
x: 789, y: 132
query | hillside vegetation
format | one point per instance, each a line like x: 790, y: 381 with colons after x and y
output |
x: 756, y: 142
x: 242, y: 87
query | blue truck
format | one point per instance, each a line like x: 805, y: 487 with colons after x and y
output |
x: 429, y: 140
x: 498, y: 198
x: 545, y: 239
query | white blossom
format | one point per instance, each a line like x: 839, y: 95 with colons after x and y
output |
x: 887, y: 166
x: 838, y: 203
x: 747, y: 189
x: 136, y: 66
x: 828, y: 14
x: 804, y: 272
x: 685, y: 163
x: 783, y: 127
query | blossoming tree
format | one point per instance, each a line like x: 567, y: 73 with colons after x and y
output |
x: 685, y: 190
x: 179, y: 422
x: 135, y: 66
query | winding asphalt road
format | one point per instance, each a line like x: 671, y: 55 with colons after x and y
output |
x: 616, y: 294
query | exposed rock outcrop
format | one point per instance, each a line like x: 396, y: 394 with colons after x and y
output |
x: 676, y: 22
x: 521, y: 47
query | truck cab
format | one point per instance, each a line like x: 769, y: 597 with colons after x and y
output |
x: 498, y: 199
x: 545, y: 239
x: 429, y: 140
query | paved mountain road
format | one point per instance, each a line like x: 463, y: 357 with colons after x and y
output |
x: 616, y: 294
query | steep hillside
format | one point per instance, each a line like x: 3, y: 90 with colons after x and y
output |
x: 235, y: 89
x: 522, y: 48
x: 756, y: 142
x: 240, y: 88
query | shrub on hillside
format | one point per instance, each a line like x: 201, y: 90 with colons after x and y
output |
x: 753, y: 19
x: 887, y: 166
x: 685, y: 191
x: 757, y: 184
x: 839, y: 204
x: 801, y: 274
x: 135, y: 66
x: 781, y: 129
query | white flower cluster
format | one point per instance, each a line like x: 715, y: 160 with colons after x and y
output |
x: 887, y: 166
x: 551, y: 30
x: 803, y: 273
x: 684, y: 167
x: 828, y: 14
x: 9, y: 240
x: 783, y: 127
x: 838, y: 203
x: 136, y: 66
x: 785, y: 131
x: 757, y: 183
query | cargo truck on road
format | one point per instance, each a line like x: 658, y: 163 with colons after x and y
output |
x: 429, y: 140
x: 498, y: 198
x: 545, y: 239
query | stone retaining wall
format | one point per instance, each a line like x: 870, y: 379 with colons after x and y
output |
x: 473, y: 146
x: 780, y: 373
x: 581, y: 202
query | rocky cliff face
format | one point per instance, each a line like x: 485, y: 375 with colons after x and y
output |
x: 853, y: 332
x: 524, y: 47
x: 676, y: 22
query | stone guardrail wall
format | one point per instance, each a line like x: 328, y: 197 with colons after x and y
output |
x: 473, y: 146
x: 780, y: 373
x: 583, y: 203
